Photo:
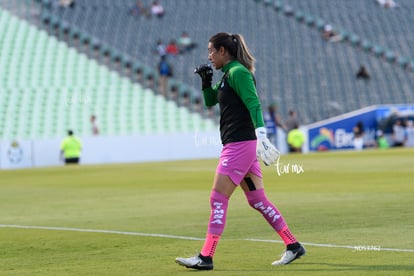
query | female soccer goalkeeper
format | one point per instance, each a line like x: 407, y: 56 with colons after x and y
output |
x: 244, y: 138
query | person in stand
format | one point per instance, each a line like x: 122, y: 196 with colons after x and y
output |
x: 172, y: 48
x: 94, y: 125
x: 409, y: 134
x: 157, y: 9
x: 398, y: 134
x: 160, y: 48
x: 363, y: 73
x: 292, y: 121
x: 70, y: 149
x: 296, y: 139
x: 185, y: 43
x: 243, y: 136
x: 165, y: 71
x: 67, y: 3
x: 358, y: 131
x: 382, y: 142
x: 273, y: 122
x: 139, y: 9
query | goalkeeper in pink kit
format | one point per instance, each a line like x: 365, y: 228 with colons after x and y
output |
x: 244, y: 139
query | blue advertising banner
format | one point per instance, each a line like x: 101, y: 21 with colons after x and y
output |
x: 337, y: 133
x: 387, y: 115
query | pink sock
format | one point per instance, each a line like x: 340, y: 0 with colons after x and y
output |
x: 286, y: 235
x: 219, y: 204
x: 210, y: 245
x: 258, y: 200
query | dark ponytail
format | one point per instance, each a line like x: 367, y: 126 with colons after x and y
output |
x: 236, y: 47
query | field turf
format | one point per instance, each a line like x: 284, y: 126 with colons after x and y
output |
x: 354, y: 212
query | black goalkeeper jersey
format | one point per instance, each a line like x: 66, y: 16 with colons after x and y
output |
x: 240, y: 110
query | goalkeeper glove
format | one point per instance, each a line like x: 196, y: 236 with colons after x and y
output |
x: 206, y: 73
x: 265, y: 149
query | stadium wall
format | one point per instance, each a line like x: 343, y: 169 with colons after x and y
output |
x: 19, y: 153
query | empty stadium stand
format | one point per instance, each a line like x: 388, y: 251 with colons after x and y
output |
x: 47, y: 87
x: 296, y: 67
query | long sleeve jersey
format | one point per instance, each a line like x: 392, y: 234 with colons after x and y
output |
x: 240, y: 109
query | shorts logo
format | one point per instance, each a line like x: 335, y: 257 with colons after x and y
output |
x: 224, y: 162
x: 238, y: 172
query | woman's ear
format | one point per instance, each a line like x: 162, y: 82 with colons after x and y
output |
x: 222, y: 51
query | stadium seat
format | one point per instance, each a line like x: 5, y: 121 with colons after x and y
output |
x: 390, y: 56
x: 278, y: 5
x: 67, y: 88
x: 378, y: 50
x: 320, y: 23
x: 366, y: 45
x: 292, y: 59
x: 402, y: 61
x: 300, y: 16
x: 309, y: 20
x: 354, y: 39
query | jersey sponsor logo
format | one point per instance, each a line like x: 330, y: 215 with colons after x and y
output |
x: 267, y: 211
x: 218, y: 213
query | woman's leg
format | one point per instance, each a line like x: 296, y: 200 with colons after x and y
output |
x: 235, y: 161
x: 223, y: 188
x: 253, y: 188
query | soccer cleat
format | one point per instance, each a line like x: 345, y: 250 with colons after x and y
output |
x: 293, y: 251
x: 197, y: 262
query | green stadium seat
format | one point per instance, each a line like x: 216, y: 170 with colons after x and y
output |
x: 366, y: 45
x: 309, y: 20
x: 293, y: 41
x: 319, y: 23
x: 61, y: 88
x: 390, y: 56
x: 299, y: 15
x: 402, y: 61
x: 268, y: 2
x: 378, y: 50
x: 354, y: 39
x: 278, y: 5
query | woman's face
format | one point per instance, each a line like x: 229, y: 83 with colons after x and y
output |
x: 215, y: 56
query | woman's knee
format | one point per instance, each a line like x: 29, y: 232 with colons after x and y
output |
x: 224, y: 185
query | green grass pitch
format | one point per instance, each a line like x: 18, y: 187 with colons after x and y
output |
x: 354, y: 211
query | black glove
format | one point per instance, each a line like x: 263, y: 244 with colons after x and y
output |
x: 206, y: 73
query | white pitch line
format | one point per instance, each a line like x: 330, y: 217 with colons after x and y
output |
x: 97, y: 231
x: 358, y: 247
x: 353, y: 247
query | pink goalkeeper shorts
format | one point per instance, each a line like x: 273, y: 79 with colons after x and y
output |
x: 238, y: 159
